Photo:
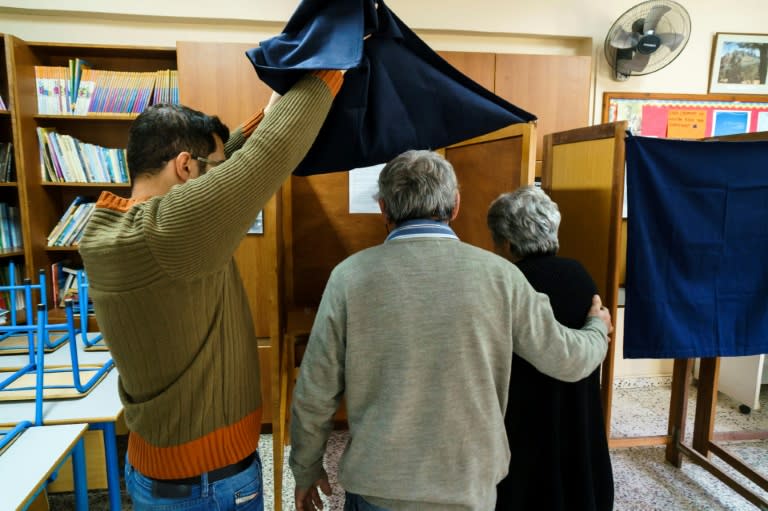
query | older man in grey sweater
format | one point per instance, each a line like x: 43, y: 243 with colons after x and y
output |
x: 418, y: 333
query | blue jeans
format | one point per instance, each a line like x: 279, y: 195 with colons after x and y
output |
x: 354, y: 502
x: 240, y: 492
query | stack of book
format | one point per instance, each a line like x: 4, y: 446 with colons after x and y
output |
x: 166, y: 87
x: 80, y: 90
x: 10, y: 227
x: 64, y: 159
x: 64, y: 284
x: 7, y: 173
x: 69, y: 229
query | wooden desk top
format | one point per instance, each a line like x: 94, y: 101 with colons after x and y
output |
x: 102, y: 404
x: 26, y: 465
x: 60, y: 357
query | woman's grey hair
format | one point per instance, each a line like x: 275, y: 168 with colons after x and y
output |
x: 527, y: 219
x: 418, y: 184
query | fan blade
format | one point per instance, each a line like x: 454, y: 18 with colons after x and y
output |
x: 654, y: 17
x: 672, y: 41
x: 624, y: 40
x: 634, y: 65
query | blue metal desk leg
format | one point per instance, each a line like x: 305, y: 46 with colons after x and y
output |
x: 79, y: 476
x: 113, y: 467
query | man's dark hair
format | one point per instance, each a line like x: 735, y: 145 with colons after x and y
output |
x: 162, y: 131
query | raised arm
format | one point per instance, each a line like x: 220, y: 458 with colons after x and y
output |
x: 238, y: 137
x: 197, y: 226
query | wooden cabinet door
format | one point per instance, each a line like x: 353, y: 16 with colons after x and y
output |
x: 555, y: 88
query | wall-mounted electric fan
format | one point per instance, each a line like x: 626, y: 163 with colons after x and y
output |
x: 647, y: 37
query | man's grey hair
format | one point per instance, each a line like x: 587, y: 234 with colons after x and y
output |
x: 527, y: 219
x: 418, y: 184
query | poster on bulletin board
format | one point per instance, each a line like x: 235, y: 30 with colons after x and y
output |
x: 689, y: 116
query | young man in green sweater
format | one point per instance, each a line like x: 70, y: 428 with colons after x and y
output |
x: 417, y: 334
x: 171, y: 303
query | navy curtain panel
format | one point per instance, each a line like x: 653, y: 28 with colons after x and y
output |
x: 697, y: 248
x: 397, y: 95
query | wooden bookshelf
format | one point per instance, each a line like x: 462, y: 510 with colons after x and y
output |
x: 6, y: 254
x: 43, y: 202
x: 90, y: 117
x: 78, y: 184
x: 10, y: 191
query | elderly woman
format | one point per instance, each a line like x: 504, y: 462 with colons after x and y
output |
x: 560, y: 457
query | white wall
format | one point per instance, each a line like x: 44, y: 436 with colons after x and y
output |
x: 575, y: 27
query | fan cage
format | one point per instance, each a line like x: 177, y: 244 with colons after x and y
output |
x: 676, y: 20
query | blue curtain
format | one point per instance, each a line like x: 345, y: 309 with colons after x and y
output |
x: 697, y: 248
x: 397, y: 95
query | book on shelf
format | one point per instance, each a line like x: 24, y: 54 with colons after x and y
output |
x: 64, y: 284
x: 80, y: 90
x: 7, y: 169
x: 76, y: 68
x: 10, y: 227
x: 64, y: 158
x: 14, y: 225
x: 52, y: 86
x: 2, y: 104
x: 69, y: 229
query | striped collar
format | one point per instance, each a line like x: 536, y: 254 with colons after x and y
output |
x: 422, y: 229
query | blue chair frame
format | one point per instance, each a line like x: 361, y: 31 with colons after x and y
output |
x: 38, y: 365
x: 9, y: 435
x: 82, y: 295
x: 14, y: 327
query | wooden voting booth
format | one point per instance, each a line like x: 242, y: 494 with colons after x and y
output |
x: 584, y: 173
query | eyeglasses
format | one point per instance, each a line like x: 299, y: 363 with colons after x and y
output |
x: 211, y: 163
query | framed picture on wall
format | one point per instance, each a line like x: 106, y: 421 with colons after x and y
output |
x: 739, y: 64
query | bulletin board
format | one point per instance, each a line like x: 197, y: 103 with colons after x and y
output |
x: 690, y: 116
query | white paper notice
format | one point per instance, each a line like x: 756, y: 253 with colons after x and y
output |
x: 363, y: 185
x: 762, y: 121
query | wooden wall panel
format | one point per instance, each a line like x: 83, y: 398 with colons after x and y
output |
x: 484, y: 171
x: 324, y: 232
x: 555, y: 88
x: 480, y: 67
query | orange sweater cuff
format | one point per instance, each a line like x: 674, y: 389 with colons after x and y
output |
x: 332, y: 78
x: 250, y: 125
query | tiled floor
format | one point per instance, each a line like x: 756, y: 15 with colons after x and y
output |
x: 644, y: 481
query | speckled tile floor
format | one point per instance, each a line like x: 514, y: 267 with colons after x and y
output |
x: 644, y: 481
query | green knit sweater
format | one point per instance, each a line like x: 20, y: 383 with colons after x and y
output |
x: 170, y: 301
